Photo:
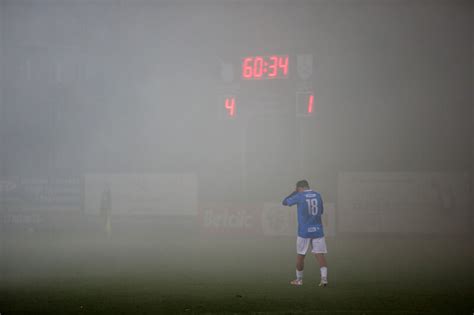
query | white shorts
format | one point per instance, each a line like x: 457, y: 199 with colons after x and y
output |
x: 318, y: 245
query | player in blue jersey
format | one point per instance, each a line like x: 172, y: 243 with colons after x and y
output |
x: 310, y: 229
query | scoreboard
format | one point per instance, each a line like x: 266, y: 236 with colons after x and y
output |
x: 267, y: 84
x: 265, y: 67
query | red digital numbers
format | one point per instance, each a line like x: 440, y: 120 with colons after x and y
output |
x: 230, y: 106
x: 304, y: 103
x: 310, y: 103
x: 247, y: 68
x: 283, y: 65
x: 273, y: 67
x: 265, y: 67
x: 258, y: 67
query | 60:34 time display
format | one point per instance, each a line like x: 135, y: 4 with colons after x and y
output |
x: 265, y: 67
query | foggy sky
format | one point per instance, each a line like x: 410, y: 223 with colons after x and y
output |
x: 119, y: 86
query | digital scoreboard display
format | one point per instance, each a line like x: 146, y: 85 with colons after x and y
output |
x: 268, y: 83
x: 265, y: 67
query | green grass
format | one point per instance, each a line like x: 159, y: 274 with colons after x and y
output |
x: 162, y: 273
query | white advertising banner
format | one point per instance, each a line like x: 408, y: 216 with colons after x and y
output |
x: 403, y: 202
x: 142, y: 194
x: 59, y: 194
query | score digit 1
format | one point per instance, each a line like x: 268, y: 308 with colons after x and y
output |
x: 304, y: 103
x: 310, y: 103
x: 229, y: 105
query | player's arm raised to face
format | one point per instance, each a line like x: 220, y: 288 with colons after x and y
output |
x: 291, y: 199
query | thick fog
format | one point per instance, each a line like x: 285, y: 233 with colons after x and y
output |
x: 113, y: 121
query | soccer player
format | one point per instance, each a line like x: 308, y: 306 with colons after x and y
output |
x: 310, y: 229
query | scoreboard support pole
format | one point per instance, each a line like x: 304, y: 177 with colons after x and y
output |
x: 301, y: 151
x: 244, y: 158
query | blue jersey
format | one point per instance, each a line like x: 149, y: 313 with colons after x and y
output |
x: 310, y: 209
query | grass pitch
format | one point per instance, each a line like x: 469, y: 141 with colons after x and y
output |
x: 164, y: 272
